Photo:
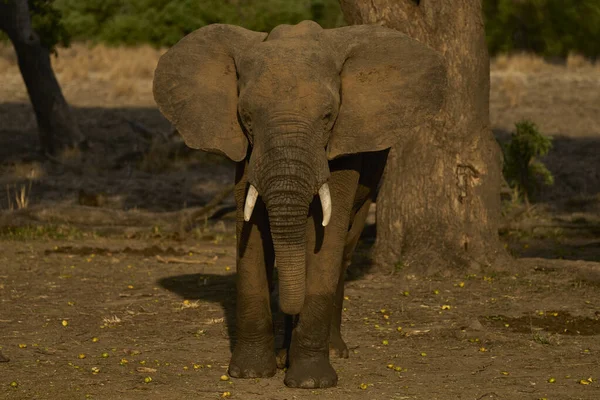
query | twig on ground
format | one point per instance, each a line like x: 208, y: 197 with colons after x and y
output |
x: 188, y: 220
x: 145, y: 132
x: 175, y: 260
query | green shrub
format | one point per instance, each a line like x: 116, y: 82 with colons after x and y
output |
x: 164, y: 22
x: 547, y: 27
x: 522, y: 170
x: 48, y: 22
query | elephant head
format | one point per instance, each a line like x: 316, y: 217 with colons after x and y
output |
x: 291, y: 101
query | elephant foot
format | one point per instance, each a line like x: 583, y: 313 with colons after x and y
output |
x: 311, y: 373
x: 252, y: 361
x: 337, y: 346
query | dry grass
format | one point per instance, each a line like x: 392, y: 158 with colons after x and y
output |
x: 561, y: 98
x: 531, y: 63
x: 18, y: 196
x: 82, y: 61
x: 123, y: 75
x: 116, y: 76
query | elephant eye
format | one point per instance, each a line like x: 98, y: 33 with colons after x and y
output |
x: 245, y: 117
x: 327, y: 117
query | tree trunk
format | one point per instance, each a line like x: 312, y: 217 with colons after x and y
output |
x: 439, y: 204
x: 56, y: 124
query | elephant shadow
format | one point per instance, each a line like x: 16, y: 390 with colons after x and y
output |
x: 212, y: 288
x: 218, y: 289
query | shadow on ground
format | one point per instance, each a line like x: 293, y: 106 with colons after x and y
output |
x: 219, y: 289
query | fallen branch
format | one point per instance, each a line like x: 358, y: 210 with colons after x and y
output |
x: 174, y: 260
x: 106, y: 217
x: 146, y: 133
x: 190, y: 219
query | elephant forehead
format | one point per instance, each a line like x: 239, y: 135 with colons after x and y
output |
x: 305, y: 29
x: 290, y: 56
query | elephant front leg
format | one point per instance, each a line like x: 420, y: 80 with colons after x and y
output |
x: 254, y: 351
x: 337, y: 346
x: 309, y: 365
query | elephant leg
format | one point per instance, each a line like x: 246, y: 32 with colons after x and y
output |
x: 254, y: 351
x: 309, y: 365
x: 337, y: 346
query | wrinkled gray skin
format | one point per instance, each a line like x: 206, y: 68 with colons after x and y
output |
x: 298, y: 109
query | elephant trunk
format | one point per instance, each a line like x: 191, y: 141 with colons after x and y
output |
x: 288, y: 230
x: 287, y: 184
x: 287, y: 171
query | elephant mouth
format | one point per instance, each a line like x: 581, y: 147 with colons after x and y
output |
x: 324, y: 197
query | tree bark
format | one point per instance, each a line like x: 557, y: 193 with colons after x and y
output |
x: 439, y: 204
x: 56, y: 124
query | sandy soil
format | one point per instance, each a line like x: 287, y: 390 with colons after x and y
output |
x: 116, y: 282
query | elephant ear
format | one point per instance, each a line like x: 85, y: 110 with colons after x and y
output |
x: 390, y: 83
x: 195, y: 87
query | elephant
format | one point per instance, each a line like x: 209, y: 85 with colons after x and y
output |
x: 308, y: 115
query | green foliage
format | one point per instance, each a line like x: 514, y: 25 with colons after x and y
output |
x: 548, y: 27
x: 48, y: 232
x: 522, y: 170
x: 46, y: 20
x: 164, y: 22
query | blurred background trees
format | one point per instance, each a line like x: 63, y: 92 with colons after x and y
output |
x: 34, y: 27
x: 164, y: 22
x: 550, y: 28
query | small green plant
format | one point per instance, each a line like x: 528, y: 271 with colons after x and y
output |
x: 522, y: 170
x: 399, y: 266
x: 40, y: 232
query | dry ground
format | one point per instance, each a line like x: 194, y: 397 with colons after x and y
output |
x: 115, y: 281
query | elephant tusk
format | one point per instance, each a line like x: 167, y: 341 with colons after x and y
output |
x: 250, y: 202
x: 325, y: 198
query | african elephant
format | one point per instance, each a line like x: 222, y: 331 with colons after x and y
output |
x: 308, y: 115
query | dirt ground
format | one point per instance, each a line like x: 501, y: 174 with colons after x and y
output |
x: 117, y: 264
